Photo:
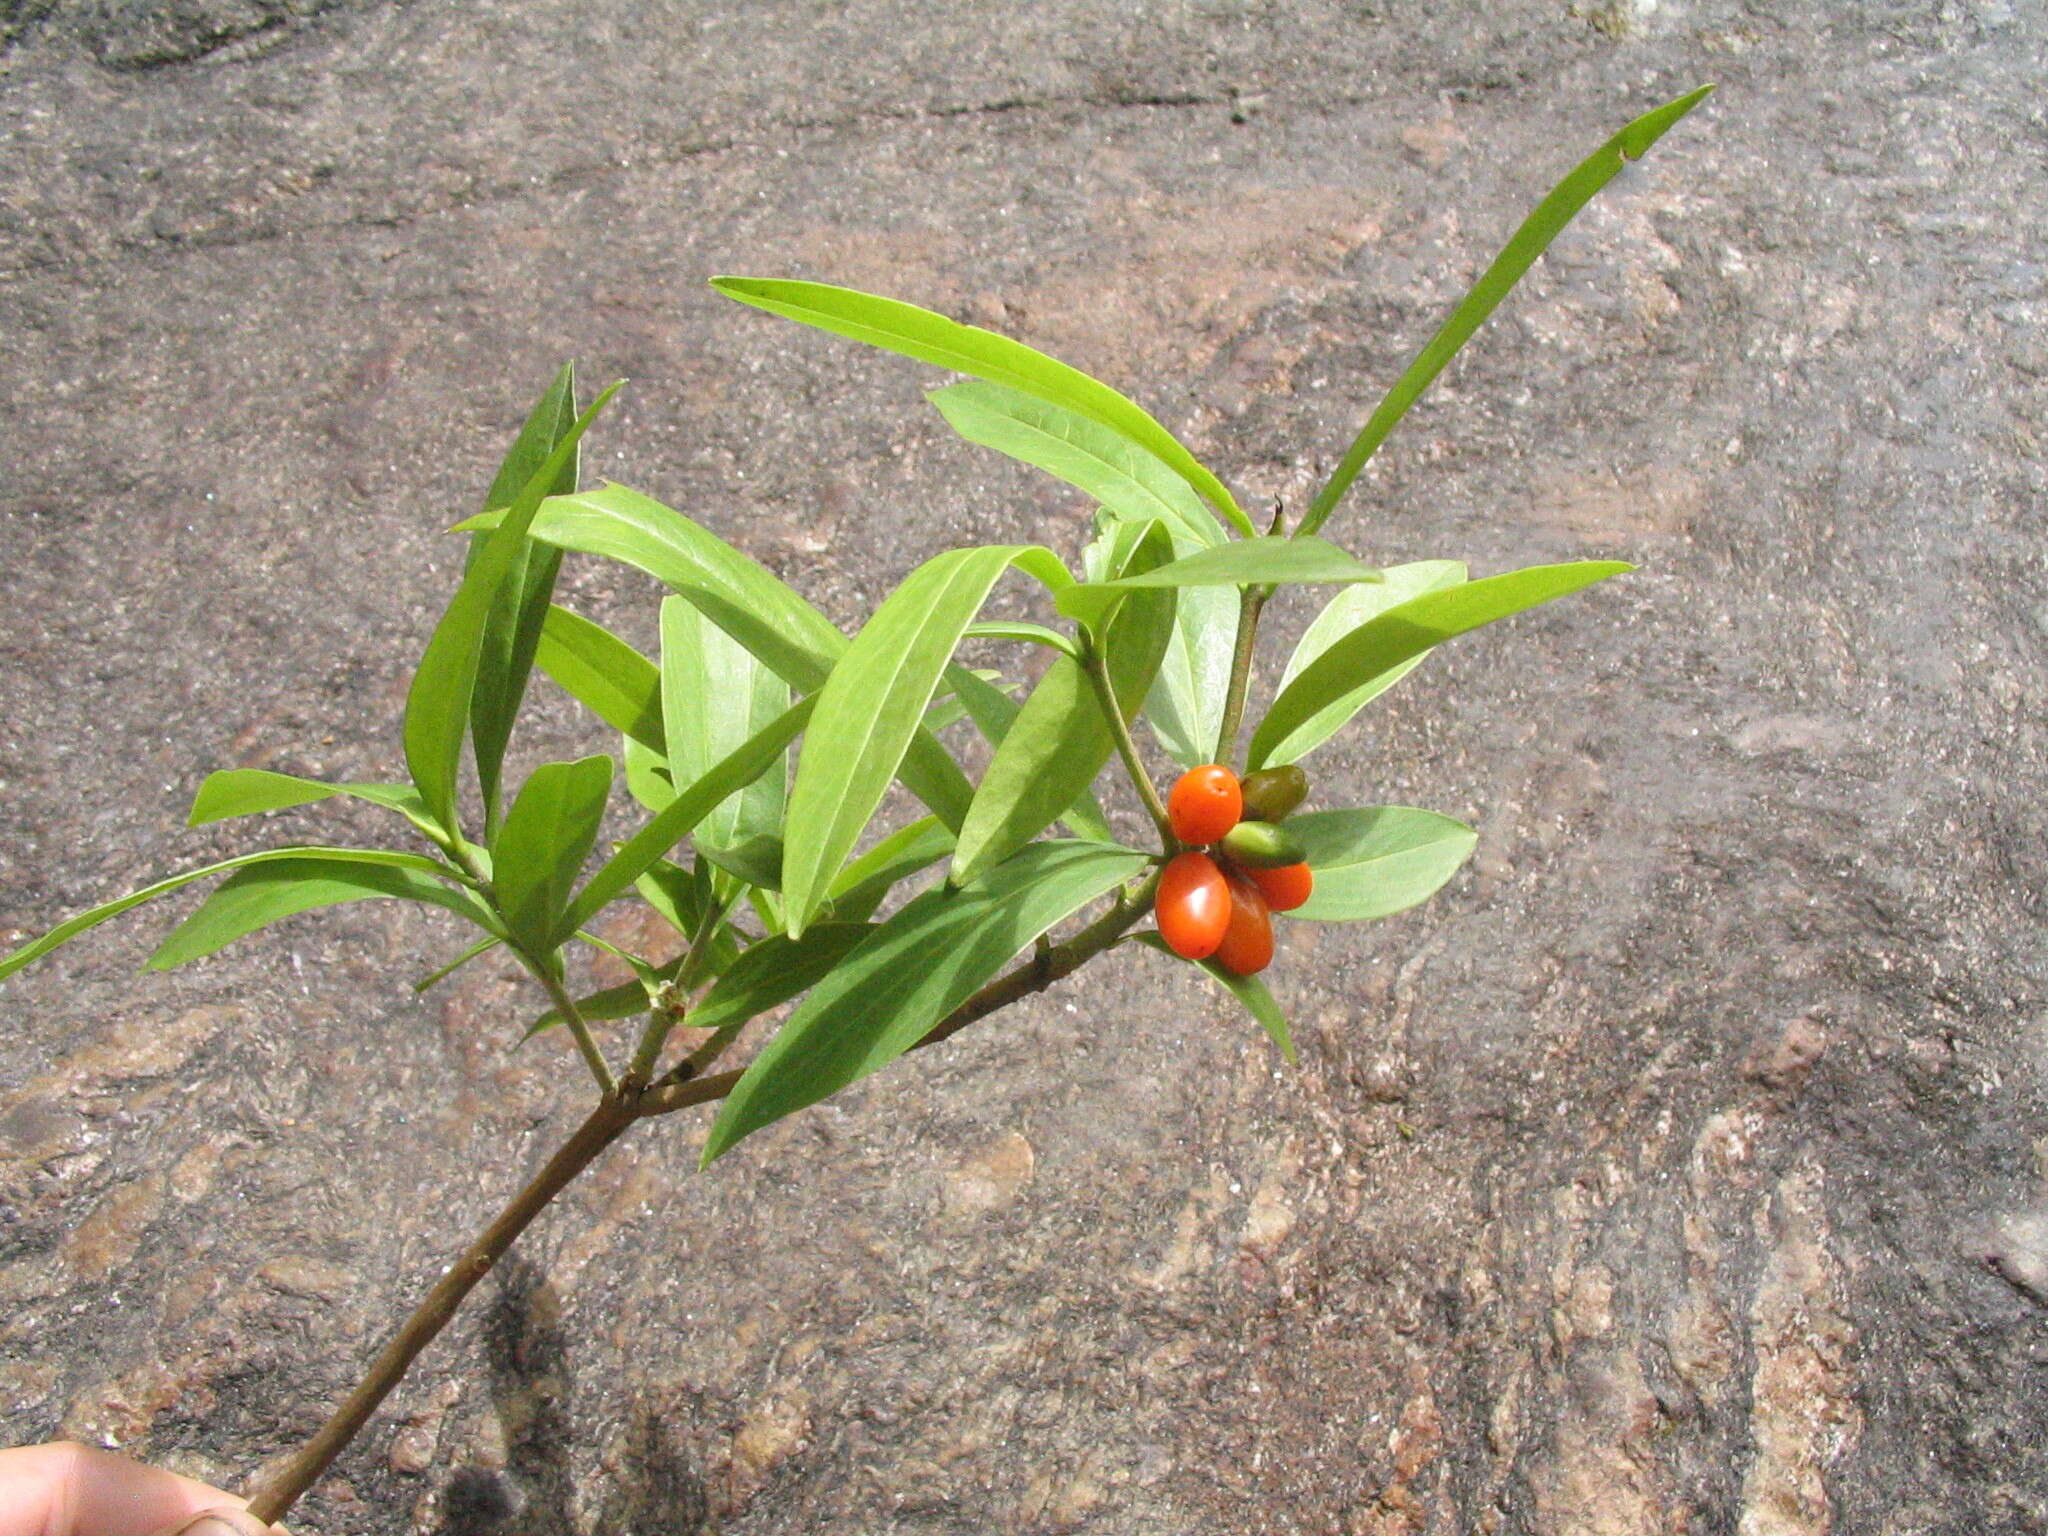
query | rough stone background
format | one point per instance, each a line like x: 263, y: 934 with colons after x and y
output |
x: 1679, y: 1169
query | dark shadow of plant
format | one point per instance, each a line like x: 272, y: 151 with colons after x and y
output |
x: 652, y: 1486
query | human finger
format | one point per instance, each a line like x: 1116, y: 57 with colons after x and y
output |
x: 64, y: 1489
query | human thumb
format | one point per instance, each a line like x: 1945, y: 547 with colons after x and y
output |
x: 219, y: 1522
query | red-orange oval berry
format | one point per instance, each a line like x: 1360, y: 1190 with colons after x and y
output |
x: 1205, y: 803
x: 1284, y: 888
x: 1247, y: 946
x: 1193, y: 905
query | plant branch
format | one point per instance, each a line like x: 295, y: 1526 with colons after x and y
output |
x: 1120, y: 731
x: 1252, y: 602
x: 1041, y: 971
x: 281, y: 1491
x: 1254, y: 599
x: 660, y: 1021
x: 573, y: 1017
x: 680, y: 1089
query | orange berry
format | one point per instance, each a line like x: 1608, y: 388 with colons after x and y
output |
x: 1204, y: 804
x: 1193, y: 905
x: 1284, y: 888
x: 1247, y: 946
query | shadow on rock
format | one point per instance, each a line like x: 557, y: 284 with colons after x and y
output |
x: 652, y: 1487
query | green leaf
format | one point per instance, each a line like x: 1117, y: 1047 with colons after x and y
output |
x: 649, y: 978
x: 1185, y: 706
x: 1516, y: 257
x: 757, y: 861
x: 505, y: 657
x: 910, y: 973
x: 674, y: 892
x: 715, y: 697
x: 69, y: 929
x: 1407, y: 630
x: 1127, y: 479
x: 1059, y: 741
x: 441, y: 973
x: 870, y: 708
x: 861, y: 886
x: 542, y: 846
x: 994, y: 713
x: 681, y: 897
x: 932, y: 338
x: 604, y: 674
x: 670, y: 826
x: 1347, y: 611
x: 740, y: 596
x: 254, y: 897
x: 1375, y: 862
x: 647, y: 776
x: 1253, y: 993
x: 232, y: 792
x: 773, y: 971
x: 1010, y: 629
x: 438, y: 705
x: 1245, y: 562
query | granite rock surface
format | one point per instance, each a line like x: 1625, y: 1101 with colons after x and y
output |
x: 1683, y: 1167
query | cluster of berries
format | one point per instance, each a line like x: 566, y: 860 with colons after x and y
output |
x: 1216, y: 900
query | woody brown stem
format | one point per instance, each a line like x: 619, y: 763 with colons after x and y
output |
x: 679, y: 1090
x: 281, y: 1491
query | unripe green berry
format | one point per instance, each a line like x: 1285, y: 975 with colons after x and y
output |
x: 1271, y: 794
x: 1262, y: 845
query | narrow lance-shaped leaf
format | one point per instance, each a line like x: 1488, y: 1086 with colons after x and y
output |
x: 1345, y: 612
x: 670, y: 826
x: 1245, y: 562
x: 682, y: 897
x: 545, y: 839
x: 1185, y: 706
x: 741, y: 597
x: 773, y: 971
x: 1060, y: 741
x: 71, y: 928
x: 231, y: 792
x: 437, y: 707
x: 442, y: 972
x: 1129, y: 480
x: 254, y: 897
x: 647, y: 776
x: 1408, y: 630
x: 1030, y: 634
x: 603, y: 674
x: 994, y: 713
x: 505, y: 658
x: 932, y: 338
x: 715, y: 697
x: 910, y: 973
x: 1374, y: 862
x: 1115, y: 537
x: 755, y: 861
x: 871, y: 705
x: 865, y: 882
x: 1516, y: 257
x: 1257, y: 998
